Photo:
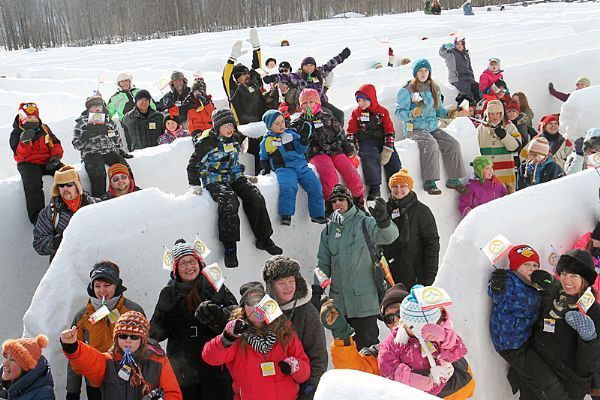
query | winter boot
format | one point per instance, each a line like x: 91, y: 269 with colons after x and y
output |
x: 319, y: 220
x: 431, y: 188
x: 230, y: 256
x: 286, y: 220
x: 268, y: 246
x: 457, y: 185
x: 374, y: 193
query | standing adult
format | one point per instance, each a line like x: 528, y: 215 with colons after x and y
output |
x: 460, y: 71
x: 123, y: 100
x: 142, y: 124
x: 173, y: 101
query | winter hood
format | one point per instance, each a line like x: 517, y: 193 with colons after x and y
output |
x: 371, y: 93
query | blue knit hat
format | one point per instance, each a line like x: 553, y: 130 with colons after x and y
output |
x: 413, y: 315
x: 270, y: 116
x: 421, y: 63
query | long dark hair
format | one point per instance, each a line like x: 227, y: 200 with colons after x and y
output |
x: 415, y: 88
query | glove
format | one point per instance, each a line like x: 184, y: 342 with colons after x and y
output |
x: 317, y: 292
x: 354, y: 160
x: 212, y: 315
x: 380, y: 213
x: 448, y: 46
x: 307, y: 391
x: 583, y: 324
x: 52, y: 163
x: 498, y: 281
x: 416, y: 112
x: 542, y: 278
x: 441, y: 373
x: 289, y: 365
x: 254, y: 39
x: 332, y: 319
x: 56, y: 240
x: 404, y: 375
x: 390, y: 52
x: 550, y: 86
x: 73, y: 396
x: 252, y: 179
x: 233, y: 330
x: 579, y: 146
x: 345, y: 53
x: 433, y: 332
x: 27, y: 135
x: 386, y: 154
x: 196, y: 189
x: 236, y: 50
x: 265, y: 167
x: 500, y: 132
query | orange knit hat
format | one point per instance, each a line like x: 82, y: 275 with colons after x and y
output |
x: 118, y: 169
x: 401, y: 178
x: 25, y: 351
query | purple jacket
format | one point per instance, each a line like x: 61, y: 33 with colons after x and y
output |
x: 480, y: 193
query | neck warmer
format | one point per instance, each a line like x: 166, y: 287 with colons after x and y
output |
x: 111, y: 304
x: 261, y: 344
x: 74, y: 204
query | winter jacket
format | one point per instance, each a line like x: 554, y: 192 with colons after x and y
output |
x: 500, y: 151
x: 399, y: 361
x: 52, y: 221
x: 559, y: 95
x: 533, y: 174
x: 291, y: 98
x: 488, y: 78
x: 215, y: 159
x: 43, y: 145
x: 102, y: 371
x: 142, y: 130
x: 96, y: 138
x: 458, y: 64
x: 514, y: 313
x: 246, y: 101
x: 345, y: 355
x: 413, y: 257
x: 325, y: 134
x: 199, y: 115
x: 428, y: 119
x: 585, y: 243
x: 169, y: 137
x: 185, y: 334
x: 174, y: 102
x: 244, y: 365
x: 560, y: 147
x: 480, y: 193
x: 36, y: 384
x: 123, y: 101
x: 285, y: 150
x: 344, y: 257
x: 374, y: 123
x: 486, y: 98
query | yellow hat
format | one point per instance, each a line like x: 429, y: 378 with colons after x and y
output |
x: 65, y: 175
x: 401, y: 178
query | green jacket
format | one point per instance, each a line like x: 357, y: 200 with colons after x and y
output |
x: 122, y: 102
x: 346, y: 260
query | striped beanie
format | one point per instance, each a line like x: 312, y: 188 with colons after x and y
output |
x: 132, y: 323
x: 118, y: 169
x: 182, y: 249
x: 414, y: 316
x: 221, y: 117
x: 539, y: 145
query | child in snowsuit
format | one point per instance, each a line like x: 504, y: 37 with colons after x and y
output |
x: 216, y: 166
x: 485, y: 188
x: 515, y: 308
x: 490, y: 76
x: 200, y: 108
x: 329, y: 149
x: 400, y: 355
x: 539, y: 166
x: 282, y: 150
x: 371, y: 131
x: 173, y: 130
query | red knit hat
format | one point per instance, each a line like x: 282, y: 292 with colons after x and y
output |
x: 546, y: 120
x: 28, y: 109
x: 118, y: 169
x: 513, y: 105
x: 520, y: 254
x: 25, y: 351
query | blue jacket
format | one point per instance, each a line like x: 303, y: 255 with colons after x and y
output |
x: 36, y: 384
x: 428, y: 120
x: 532, y: 174
x: 285, y: 150
x: 514, y: 313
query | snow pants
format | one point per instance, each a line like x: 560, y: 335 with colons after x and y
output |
x: 288, y: 178
x: 431, y: 144
x: 326, y: 167
x: 226, y: 197
x: 94, y: 166
x: 31, y: 176
x: 468, y: 87
x: 366, y: 331
x: 370, y: 158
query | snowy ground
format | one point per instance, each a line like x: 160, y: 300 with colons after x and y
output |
x: 537, y: 44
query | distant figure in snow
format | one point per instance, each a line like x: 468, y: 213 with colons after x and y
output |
x: 436, y: 8
x: 468, y: 8
x: 390, y: 63
x: 581, y: 83
x: 285, y: 43
x: 460, y: 71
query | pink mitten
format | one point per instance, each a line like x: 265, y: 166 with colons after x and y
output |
x: 433, y: 333
x: 404, y: 375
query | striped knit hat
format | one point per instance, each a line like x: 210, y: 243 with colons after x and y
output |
x: 118, y: 169
x: 132, y: 323
x: 414, y: 316
x: 182, y: 249
x: 221, y: 117
x: 26, y: 351
x: 539, y: 144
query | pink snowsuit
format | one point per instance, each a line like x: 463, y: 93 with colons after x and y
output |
x: 585, y: 243
x: 487, y: 79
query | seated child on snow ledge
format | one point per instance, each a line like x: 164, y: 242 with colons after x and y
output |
x: 483, y: 189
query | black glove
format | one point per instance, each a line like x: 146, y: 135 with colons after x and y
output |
x: 307, y: 391
x: 27, y: 135
x: 124, y: 154
x: 380, y: 213
x: 345, y: 53
x: 579, y: 146
x: 212, y: 315
x: 542, y: 278
x: 500, y: 132
x: 53, y: 163
x: 550, y: 86
x: 234, y: 329
x: 498, y: 281
x: 317, y: 292
x: 265, y: 167
x: 73, y: 396
x: 56, y: 240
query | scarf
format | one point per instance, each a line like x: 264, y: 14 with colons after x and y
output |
x: 111, y: 304
x: 402, y: 221
x: 562, y: 305
x: 261, y: 344
x: 74, y: 204
x: 555, y: 141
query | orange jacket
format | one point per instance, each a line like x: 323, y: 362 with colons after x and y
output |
x: 200, y: 118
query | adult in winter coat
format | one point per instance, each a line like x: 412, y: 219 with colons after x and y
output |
x: 173, y: 101
x: 142, y: 124
x: 581, y: 83
x: 286, y: 285
x: 200, y: 106
x: 216, y: 166
x: 483, y: 189
x: 460, y: 71
x: 372, y: 132
x: 418, y: 105
x: 67, y: 198
x: 131, y: 369
x: 37, y: 153
x: 344, y: 257
x: 187, y: 295
x: 413, y: 257
x: 123, y: 101
x: 25, y: 371
x: 266, y: 361
x: 120, y: 182
x: 539, y: 166
x: 105, y: 289
x: 583, y: 148
x: 560, y: 146
x: 96, y: 137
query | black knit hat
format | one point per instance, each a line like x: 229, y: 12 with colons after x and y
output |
x: 106, y: 271
x: 221, y: 117
x: 169, y: 117
x: 578, y: 262
x: 278, y: 267
x: 341, y: 191
x: 251, y: 290
x: 142, y: 94
x: 239, y: 70
x: 596, y: 232
x: 393, y: 295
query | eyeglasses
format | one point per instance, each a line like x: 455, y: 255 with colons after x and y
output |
x: 390, y: 318
x: 69, y: 185
x: 118, y: 178
x: 191, y: 263
x: 124, y: 336
x: 284, y: 71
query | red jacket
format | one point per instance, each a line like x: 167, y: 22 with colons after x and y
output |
x: 356, y: 125
x: 244, y: 365
x: 487, y: 79
x: 43, y: 146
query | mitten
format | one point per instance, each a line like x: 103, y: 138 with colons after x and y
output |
x: 433, y: 332
x: 196, y: 189
x: 332, y: 319
x: 252, y: 179
x: 125, y: 154
x: 317, y: 292
x: 390, y: 52
x: 386, y: 154
x: 233, y: 330
x: 500, y: 132
x: 416, y: 112
x: 579, y: 146
x: 401, y: 337
x: 236, y: 51
x: 550, y: 86
x: 345, y: 53
x: 289, y: 365
x: 380, y: 213
x: 441, y: 373
x: 27, y: 135
x: 52, y: 163
x: 253, y: 40
x: 498, y: 281
x: 542, y: 278
x: 212, y: 314
x: 403, y: 374
x: 448, y: 46
x: 583, y: 324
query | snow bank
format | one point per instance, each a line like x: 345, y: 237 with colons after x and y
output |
x: 580, y: 112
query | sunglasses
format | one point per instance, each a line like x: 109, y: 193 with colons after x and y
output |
x: 283, y: 70
x: 69, y: 185
x: 390, y: 318
x: 118, y: 178
x: 124, y: 336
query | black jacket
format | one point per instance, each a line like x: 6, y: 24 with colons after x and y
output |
x: 173, y: 98
x: 246, y: 101
x: 141, y: 130
x: 414, y: 255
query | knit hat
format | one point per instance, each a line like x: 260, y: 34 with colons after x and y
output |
x: 401, y: 178
x: 177, y: 75
x: 28, y: 109
x: 132, y: 323
x: 94, y: 100
x: 494, y: 59
x: 421, y: 63
x: 118, y: 169
x: 175, y: 118
x: 182, y: 249
x: 494, y: 106
x: 341, y: 192
x: 106, y: 271
x: 578, y: 262
x: 239, y: 70
x: 278, y: 267
x: 286, y: 65
x: 65, y: 174
x: 270, y: 116
x: 393, y: 295
x: 308, y: 60
x: 361, y: 95
x: 546, y: 120
x: 513, y: 105
x: 585, y: 80
x: 596, y: 232
x: 123, y: 76
x: 251, y: 290
x: 309, y: 95
x: 143, y: 94
x: 479, y: 163
x: 199, y: 84
x: 520, y: 254
x: 414, y: 316
x: 25, y: 351
x: 539, y: 144
x: 221, y: 117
